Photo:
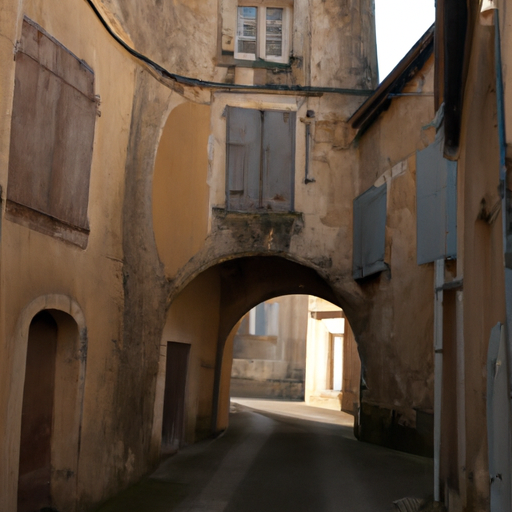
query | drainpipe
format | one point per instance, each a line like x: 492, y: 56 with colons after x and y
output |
x: 438, y: 371
x: 461, y: 393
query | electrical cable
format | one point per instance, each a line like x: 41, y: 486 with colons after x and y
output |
x: 195, y: 82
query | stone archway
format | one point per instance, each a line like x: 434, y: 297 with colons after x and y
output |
x: 203, y: 314
x: 46, y: 402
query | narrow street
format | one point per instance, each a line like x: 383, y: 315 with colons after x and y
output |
x: 282, y: 457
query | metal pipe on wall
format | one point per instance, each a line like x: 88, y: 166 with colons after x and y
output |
x: 461, y: 395
x: 438, y: 372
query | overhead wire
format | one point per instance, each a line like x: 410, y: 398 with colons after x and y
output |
x: 196, y: 82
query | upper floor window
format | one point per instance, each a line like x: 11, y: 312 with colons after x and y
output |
x: 263, y: 33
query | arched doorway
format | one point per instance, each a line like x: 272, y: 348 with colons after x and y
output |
x: 51, y: 413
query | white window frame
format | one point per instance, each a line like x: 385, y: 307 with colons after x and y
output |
x: 261, y: 34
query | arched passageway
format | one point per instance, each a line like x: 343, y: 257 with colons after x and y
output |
x: 201, y: 323
x: 297, y: 347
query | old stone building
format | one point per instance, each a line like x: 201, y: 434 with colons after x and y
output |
x: 166, y: 167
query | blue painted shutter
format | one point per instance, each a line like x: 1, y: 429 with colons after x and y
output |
x: 436, y: 203
x: 369, y: 232
x: 278, y: 158
x: 243, y: 148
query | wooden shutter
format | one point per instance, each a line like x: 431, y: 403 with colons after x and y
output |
x: 436, y: 203
x: 278, y: 160
x: 369, y: 232
x: 243, y: 158
x: 52, y: 129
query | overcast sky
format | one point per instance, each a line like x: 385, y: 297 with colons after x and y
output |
x: 400, y: 23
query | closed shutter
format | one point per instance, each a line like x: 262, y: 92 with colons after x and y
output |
x: 278, y: 160
x: 52, y: 130
x: 369, y: 232
x: 436, y: 202
x: 243, y: 158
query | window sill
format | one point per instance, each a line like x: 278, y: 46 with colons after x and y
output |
x: 228, y: 60
x: 46, y: 224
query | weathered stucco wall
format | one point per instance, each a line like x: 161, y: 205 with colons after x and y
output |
x: 180, y: 188
x: 193, y: 318
x: 480, y: 264
x: 399, y: 331
x: 35, y: 265
x: 163, y: 31
x: 339, y: 26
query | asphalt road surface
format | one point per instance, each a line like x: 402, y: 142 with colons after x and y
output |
x: 280, y: 457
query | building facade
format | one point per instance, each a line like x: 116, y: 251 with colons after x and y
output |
x: 165, y: 168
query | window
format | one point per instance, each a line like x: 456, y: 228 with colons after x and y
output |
x: 264, y: 319
x: 52, y: 131
x: 369, y: 232
x: 260, y: 148
x: 263, y: 33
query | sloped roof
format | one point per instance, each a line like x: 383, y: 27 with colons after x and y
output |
x: 403, y: 72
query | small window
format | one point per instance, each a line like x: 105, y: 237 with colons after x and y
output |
x: 369, y: 232
x: 264, y: 319
x: 263, y: 33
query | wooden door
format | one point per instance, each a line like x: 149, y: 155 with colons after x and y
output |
x: 174, y: 395
x: 34, y: 491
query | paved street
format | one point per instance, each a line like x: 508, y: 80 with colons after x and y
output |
x: 280, y: 457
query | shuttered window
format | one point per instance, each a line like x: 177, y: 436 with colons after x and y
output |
x: 52, y: 130
x: 260, y: 159
x: 263, y: 33
x: 436, y: 200
x: 369, y: 232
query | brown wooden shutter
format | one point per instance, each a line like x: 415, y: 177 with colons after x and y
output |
x: 52, y: 130
x: 278, y: 160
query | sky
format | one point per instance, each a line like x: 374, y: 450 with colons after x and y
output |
x: 400, y: 23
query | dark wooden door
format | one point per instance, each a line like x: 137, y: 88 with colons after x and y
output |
x: 174, y: 395
x: 37, y: 415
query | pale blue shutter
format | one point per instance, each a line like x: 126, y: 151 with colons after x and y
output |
x: 278, y: 160
x: 436, y: 203
x: 369, y: 232
x: 243, y: 148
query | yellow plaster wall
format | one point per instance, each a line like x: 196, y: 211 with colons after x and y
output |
x: 180, y: 188
x: 224, y: 394
x: 193, y: 318
x: 34, y: 265
x: 480, y: 261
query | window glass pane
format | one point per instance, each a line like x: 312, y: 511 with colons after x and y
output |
x: 246, y: 46
x: 247, y: 29
x: 274, y: 25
